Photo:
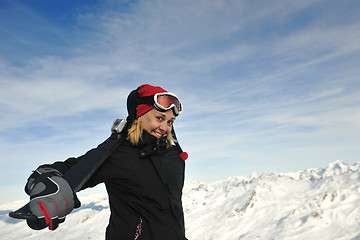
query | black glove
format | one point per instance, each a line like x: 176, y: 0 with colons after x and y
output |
x: 51, y: 198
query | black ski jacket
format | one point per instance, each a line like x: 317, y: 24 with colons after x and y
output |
x: 144, y: 185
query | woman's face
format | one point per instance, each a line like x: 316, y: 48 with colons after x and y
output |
x: 158, y: 123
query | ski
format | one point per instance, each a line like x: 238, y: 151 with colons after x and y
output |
x: 86, y: 167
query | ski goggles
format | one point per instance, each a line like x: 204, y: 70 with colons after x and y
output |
x: 163, y: 102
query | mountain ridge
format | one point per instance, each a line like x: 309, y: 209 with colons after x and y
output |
x: 317, y: 203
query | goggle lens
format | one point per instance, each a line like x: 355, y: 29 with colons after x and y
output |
x: 166, y: 101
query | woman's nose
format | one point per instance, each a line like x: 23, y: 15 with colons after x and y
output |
x: 164, y: 126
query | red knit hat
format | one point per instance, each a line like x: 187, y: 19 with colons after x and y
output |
x: 144, y: 91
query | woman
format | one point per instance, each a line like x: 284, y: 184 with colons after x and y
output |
x: 144, y: 176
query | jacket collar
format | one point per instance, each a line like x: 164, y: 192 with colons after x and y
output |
x: 149, y: 145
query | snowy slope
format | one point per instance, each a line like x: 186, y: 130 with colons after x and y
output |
x: 310, y: 204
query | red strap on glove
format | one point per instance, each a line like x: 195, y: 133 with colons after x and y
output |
x: 47, y: 216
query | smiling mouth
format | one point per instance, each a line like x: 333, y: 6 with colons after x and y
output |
x: 158, y: 135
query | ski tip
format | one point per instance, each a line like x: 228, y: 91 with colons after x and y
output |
x: 23, y: 213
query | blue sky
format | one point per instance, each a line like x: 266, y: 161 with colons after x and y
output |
x: 266, y: 85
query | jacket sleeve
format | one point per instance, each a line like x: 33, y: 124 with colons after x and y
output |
x: 64, y: 166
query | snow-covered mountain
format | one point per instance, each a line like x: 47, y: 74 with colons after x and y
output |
x: 322, y: 203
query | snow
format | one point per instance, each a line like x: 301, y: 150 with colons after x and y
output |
x: 321, y: 203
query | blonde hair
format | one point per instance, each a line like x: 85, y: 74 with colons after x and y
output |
x: 135, y: 133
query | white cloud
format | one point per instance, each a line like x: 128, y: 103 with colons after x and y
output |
x: 256, y: 84
x: 55, y: 88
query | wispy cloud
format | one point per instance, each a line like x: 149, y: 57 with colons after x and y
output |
x: 265, y: 86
